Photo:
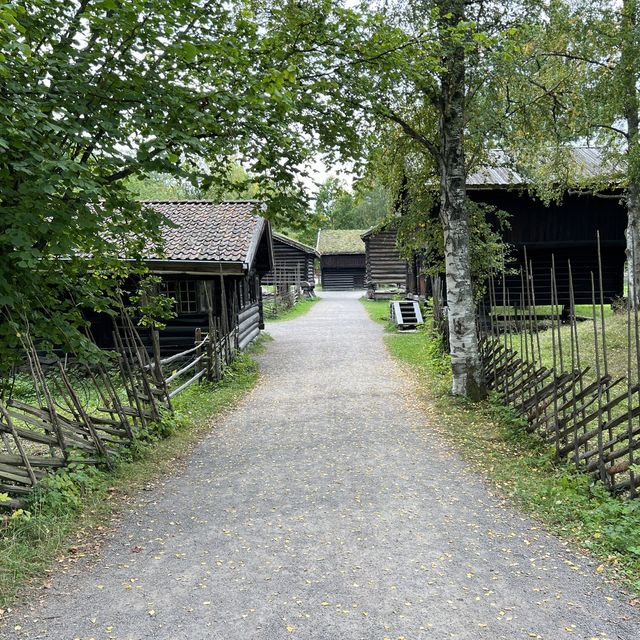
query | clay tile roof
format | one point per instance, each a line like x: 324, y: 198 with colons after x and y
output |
x: 210, y: 231
x: 340, y: 241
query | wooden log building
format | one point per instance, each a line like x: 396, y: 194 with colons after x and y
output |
x: 215, y: 257
x: 342, y: 259
x: 385, y: 267
x: 566, y: 230
x: 292, y: 260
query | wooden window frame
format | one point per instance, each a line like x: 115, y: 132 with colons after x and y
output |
x: 186, y: 294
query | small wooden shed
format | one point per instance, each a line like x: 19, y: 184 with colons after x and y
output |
x: 342, y: 259
x: 292, y: 260
x: 215, y: 256
x: 385, y: 267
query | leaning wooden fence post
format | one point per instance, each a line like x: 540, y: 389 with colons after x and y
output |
x: 55, y: 422
x: 157, y: 366
x: 198, y: 340
x: 130, y: 336
x: 125, y: 367
x: 84, y: 416
x: 16, y: 438
x: 115, y: 400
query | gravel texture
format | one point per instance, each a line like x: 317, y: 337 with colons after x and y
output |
x: 325, y: 508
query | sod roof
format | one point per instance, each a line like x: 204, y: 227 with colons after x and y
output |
x: 332, y: 241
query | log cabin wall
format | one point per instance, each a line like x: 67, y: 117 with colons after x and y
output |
x: 341, y: 272
x: 241, y: 299
x: 292, y: 260
x: 384, y: 265
x: 566, y: 230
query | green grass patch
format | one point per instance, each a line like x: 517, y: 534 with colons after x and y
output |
x: 616, y: 339
x: 492, y: 439
x: 584, y: 310
x: 61, y: 518
x: 378, y: 311
x: 299, y: 309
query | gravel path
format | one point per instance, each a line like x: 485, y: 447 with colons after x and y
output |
x: 324, y: 508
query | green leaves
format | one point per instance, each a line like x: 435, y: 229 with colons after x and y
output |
x: 94, y: 96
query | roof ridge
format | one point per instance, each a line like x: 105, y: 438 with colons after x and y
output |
x: 201, y: 201
x: 285, y: 238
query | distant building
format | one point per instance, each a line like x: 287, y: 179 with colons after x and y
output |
x: 293, y: 261
x: 385, y: 267
x: 565, y: 230
x: 342, y: 258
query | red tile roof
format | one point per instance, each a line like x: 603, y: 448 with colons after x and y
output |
x: 210, y: 231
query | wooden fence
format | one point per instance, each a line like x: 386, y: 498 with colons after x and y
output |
x: 286, y: 290
x: 81, y: 413
x: 590, y: 416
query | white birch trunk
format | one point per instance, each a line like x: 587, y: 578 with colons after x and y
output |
x: 633, y: 244
x: 463, y: 338
x: 630, y: 76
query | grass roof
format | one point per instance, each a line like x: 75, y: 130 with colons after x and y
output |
x: 340, y: 241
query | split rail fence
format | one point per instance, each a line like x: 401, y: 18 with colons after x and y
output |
x: 81, y: 413
x: 589, y: 415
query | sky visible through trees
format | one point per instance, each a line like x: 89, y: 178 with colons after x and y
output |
x: 102, y: 99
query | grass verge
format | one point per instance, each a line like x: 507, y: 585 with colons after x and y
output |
x: 299, y: 309
x: 64, y: 519
x: 520, y: 466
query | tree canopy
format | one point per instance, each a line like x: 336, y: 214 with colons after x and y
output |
x: 96, y: 94
x: 102, y: 98
x: 337, y: 207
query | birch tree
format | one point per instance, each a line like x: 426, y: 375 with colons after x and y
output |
x: 579, y: 83
x: 423, y: 72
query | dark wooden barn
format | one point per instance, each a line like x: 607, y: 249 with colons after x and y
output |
x: 566, y: 230
x: 385, y: 268
x: 216, y: 254
x: 342, y: 259
x: 292, y: 260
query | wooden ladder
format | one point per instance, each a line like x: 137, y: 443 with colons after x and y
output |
x: 406, y: 314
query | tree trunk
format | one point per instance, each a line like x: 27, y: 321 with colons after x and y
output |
x: 465, y: 356
x: 633, y: 243
x: 630, y: 78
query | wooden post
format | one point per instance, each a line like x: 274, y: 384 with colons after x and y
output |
x: 127, y: 373
x: 115, y: 400
x: 225, y: 316
x: 132, y: 348
x: 212, y: 333
x: 16, y: 438
x: 157, y: 366
x: 198, y: 340
x: 84, y: 416
x: 55, y: 422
